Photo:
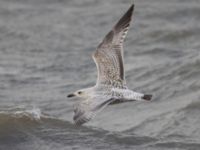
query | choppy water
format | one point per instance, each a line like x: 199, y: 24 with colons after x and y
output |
x: 45, y: 53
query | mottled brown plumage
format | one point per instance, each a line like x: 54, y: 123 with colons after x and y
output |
x: 111, y: 85
x: 109, y: 53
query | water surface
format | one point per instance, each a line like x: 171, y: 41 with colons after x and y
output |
x: 45, y: 53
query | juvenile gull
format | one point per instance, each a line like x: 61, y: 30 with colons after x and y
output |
x: 111, y: 86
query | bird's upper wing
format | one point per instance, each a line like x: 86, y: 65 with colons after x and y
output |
x: 109, y: 54
x: 85, y: 110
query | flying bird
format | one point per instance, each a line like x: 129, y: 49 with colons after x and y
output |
x: 111, y: 85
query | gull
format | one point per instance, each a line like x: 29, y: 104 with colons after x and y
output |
x: 111, y: 87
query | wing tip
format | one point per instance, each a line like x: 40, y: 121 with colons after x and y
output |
x: 130, y: 10
x: 81, y: 120
x: 125, y: 19
x: 132, y: 7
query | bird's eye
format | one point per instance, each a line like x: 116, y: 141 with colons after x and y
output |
x: 79, y: 92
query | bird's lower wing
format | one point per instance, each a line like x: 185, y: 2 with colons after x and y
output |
x: 86, y: 110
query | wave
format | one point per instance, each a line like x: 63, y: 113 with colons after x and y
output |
x: 30, y: 114
x: 27, y: 118
x: 193, y: 106
x: 177, y: 145
x: 21, y: 119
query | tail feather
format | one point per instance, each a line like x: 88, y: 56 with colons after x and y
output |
x: 147, y: 97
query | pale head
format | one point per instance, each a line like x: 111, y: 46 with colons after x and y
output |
x: 83, y: 93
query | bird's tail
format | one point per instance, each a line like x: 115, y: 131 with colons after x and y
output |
x: 147, y: 97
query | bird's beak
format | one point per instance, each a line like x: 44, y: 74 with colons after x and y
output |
x: 71, y: 95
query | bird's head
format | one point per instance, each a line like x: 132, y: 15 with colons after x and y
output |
x: 83, y: 93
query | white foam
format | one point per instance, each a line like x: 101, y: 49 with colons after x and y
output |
x: 34, y: 113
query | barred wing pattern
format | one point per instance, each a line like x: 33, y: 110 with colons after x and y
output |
x: 87, y: 109
x: 109, y: 54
